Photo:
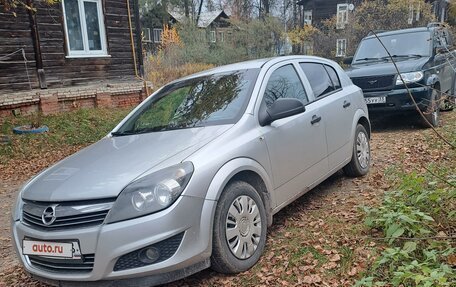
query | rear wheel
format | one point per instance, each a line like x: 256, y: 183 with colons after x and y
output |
x: 240, y: 225
x: 447, y: 103
x: 432, y: 113
x: 360, y: 162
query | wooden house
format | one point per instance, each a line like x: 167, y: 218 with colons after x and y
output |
x: 214, y: 25
x: 67, y: 43
x: 314, y: 12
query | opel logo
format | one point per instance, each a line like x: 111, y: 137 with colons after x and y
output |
x: 372, y: 82
x: 49, y: 216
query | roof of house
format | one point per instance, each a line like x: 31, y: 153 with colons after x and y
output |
x: 205, y: 19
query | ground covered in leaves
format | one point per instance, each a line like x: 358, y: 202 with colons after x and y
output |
x: 319, y: 240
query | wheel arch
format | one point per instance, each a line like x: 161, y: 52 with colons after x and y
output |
x: 433, y: 80
x: 247, y: 170
x: 360, y: 117
x: 366, y: 124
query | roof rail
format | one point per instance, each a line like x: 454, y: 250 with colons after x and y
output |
x: 376, y: 32
x: 436, y: 24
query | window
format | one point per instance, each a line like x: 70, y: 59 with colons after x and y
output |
x: 318, y: 78
x: 442, y: 15
x: 341, y: 47
x: 191, y: 103
x: 418, y: 12
x: 342, y: 15
x: 212, y: 37
x: 308, y: 17
x: 158, y: 35
x: 334, y: 77
x: 146, y: 35
x: 284, y: 83
x: 221, y: 37
x: 410, y: 15
x: 307, y: 48
x: 84, y: 27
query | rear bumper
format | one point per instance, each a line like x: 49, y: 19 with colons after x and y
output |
x: 399, y: 100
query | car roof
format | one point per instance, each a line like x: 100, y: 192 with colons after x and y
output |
x: 402, y: 31
x: 251, y: 64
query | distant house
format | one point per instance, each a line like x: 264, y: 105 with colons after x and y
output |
x: 215, y: 26
x: 71, y: 42
x: 313, y: 12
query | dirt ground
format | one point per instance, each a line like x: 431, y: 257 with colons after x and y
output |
x: 326, y: 221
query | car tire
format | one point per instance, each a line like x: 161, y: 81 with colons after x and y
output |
x: 448, y: 103
x: 240, y: 219
x: 361, y: 155
x: 432, y: 113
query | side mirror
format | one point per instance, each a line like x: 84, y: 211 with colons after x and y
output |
x: 347, y: 60
x: 282, y: 108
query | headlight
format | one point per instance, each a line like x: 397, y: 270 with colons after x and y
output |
x: 151, y: 193
x: 412, y: 77
x: 17, y: 207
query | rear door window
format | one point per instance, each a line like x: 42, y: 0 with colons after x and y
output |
x: 334, y: 77
x: 318, y: 78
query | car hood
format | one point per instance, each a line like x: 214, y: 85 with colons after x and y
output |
x: 103, y: 169
x: 386, y: 68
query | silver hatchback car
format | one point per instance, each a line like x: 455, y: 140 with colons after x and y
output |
x: 192, y: 177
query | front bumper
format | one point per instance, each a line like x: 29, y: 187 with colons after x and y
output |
x: 399, y: 99
x: 109, y: 242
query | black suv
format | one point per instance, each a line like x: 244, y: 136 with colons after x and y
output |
x: 425, y: 61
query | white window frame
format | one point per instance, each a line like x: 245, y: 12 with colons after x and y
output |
x: 308, y: 21
x: 160, y: 34
x: 342, y: 15
x: 212, y: 36
x: 410, y: 15
x: 307, y: 48
x: 341, y: 47
x: 85, y: 39
x: 418, y: 12
x: 147, y: 34
x: 221, y: 36
x: 442, y: 14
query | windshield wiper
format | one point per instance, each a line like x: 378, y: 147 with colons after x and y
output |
x: 368, y: 59
x: 150, y: 130
x: 404, y: 56
x: 125, y: 133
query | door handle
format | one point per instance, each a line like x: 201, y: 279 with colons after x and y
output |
x: 315, y: 119
x: 346, y: 104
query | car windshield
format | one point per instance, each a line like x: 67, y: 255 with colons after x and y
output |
x: 399, y: 45
x: 209, y: 100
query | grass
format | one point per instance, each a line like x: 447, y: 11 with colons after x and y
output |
x: 417, y: 219
x: 76, y: 128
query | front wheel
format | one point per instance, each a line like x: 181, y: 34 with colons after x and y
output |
x: 360, y: 162
x: 432, y: 113
x: 240, y: 225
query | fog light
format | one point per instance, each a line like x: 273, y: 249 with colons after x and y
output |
x: 149, y: 255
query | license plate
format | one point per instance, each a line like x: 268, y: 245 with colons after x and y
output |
x: 375, y: 100
x: 46, y: 248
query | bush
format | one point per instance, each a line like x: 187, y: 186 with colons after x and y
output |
x: 415, y: 221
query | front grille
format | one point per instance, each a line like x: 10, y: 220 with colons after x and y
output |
x: 67, y: 214
x: 166, y: 248
x: 375, y: 83
x: 58, y: 265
